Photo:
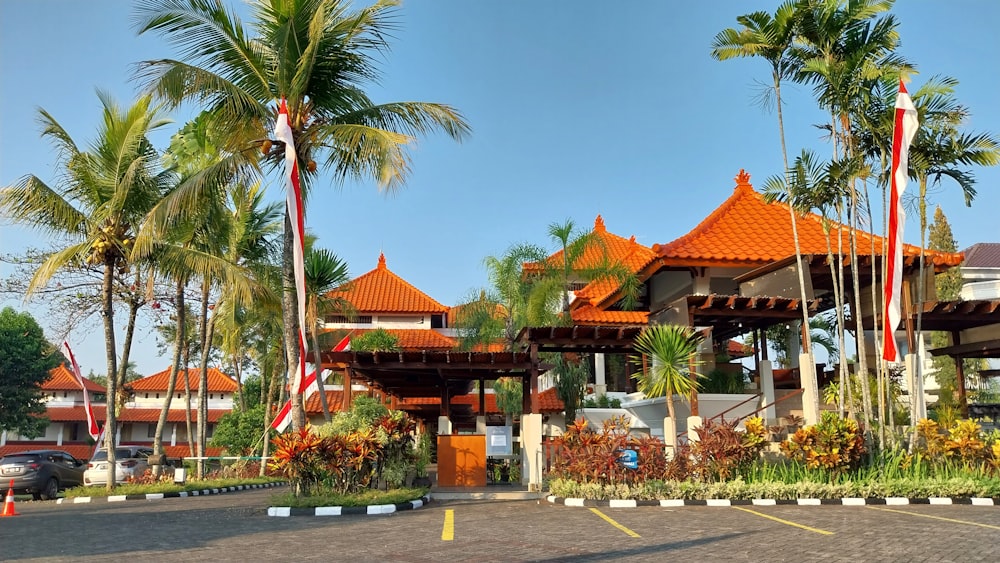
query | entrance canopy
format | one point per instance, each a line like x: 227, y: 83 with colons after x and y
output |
x: 428, y: 373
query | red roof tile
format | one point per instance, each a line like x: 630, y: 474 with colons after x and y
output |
x: 334, y: 401
x: 747, y: 231
x: 152, y: 415
x: 74, y: 414
x: 382, y: 291
x: 588, y: 315
x: 61, y: 379
x: 411, y: 339
x: 218, y: 382
x: 79, y: 451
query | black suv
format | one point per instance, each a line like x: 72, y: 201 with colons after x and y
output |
x: 43, y: 473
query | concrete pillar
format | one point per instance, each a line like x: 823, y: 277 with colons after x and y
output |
x: 173, y: 434
x: 481, y: 425
x: 810, y: 399
x: 670, y: 435
x: 693, y: 424
x: 59, y: 437
x: 532, y: 455
x: 3, y: 438
x: 766, y: 374
x: 118, y: 434
x: 444, y: 426
x: 793, y: 347
x: 915, y: 387
x: 600, y: 375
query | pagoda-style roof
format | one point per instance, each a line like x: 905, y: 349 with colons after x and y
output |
x: 218, y: 382
x: 746, y: 231
x: 607, y: 249
x: 382, y: 291
x: 61, y: 379
x: 589, y: 315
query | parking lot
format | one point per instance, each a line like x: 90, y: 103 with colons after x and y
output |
x: 235, y: 527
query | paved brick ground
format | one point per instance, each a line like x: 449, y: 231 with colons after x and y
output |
x: 235, y: 527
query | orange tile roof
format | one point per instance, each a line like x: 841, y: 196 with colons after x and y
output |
x: 588, y: 315
x: 79, y: 451
x: 410, y: 339
x: 74, y: 414
x: 747, y: 231
x: 152, y: 415
x: 217, y: 381
x: 334, y: 400
x: 548, y: 401
x: 382, y: 291
x: 61, y: 379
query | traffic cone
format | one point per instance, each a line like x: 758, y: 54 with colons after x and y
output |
x: 8, y: 505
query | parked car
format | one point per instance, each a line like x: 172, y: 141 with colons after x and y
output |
x: 42, y: 473
x: 130, y: 461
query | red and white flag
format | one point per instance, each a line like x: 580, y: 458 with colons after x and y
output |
x: 284, y: 417
x: 92, y: 428
x: 905, y: 129
x: 293, y: 203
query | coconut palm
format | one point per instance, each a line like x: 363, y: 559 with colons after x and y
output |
x: 97, y: 206
x: 317, y: 54
x: 325, y: 271
x: 673, y: 350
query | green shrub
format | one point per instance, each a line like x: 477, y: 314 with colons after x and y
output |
x: 833, y: 446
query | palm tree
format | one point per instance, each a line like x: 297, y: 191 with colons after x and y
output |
x: 318, y: 55
x: 772, y: 38
x: 673, y: 350
x: 325, y: 271
x: 98, y: 206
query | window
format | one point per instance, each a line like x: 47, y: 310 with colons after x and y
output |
x: 147, y: 395
x: 360, y: 319
x: 157, y: 395
x: 150, y: 430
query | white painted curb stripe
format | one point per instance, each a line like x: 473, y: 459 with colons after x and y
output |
x: 622, y: 503
x: 154, y: 496
x: 672, y: 502
x: 718, y: 502
x: 381, y: 509
x: 279, y: 511
x: 116, y: 498
x: 809, y: 502
x: 977, y: 501
x: 897, y: 501
x: 764, y: 502
x: 939, y: 500
x: 574, y: 502
x: 853, y: 501
x: 328, y: 511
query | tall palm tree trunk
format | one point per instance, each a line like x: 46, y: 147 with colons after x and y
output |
x: 318, y: 363
x: 111, y: 422
x: 289, y: 313
x: 187, y: 399
x: 175, y: 364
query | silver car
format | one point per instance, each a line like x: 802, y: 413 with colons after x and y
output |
x: 130, y: 461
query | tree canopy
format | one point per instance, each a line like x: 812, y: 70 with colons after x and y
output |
x: 26, y: 358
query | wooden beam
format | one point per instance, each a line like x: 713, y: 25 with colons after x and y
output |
x: 983, y: 349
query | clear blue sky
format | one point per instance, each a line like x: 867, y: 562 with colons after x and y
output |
x: 577, y: 108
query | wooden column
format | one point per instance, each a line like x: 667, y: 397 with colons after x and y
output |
x: 345, y: 403
x: 533, y: 384
x: 692, y: 365
x: 482, y: 396
x: 445, y: 400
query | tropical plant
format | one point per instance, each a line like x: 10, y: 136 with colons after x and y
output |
x: 673, y: 351
x: 571, y: 379
x: 98, y: 205
x: 316, y: 54
x: 378, y: 340
x: 834, y: 445
x: 324, y: 272
x: 26, y: 358
x: 509, y: 392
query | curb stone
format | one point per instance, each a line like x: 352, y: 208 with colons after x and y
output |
x: 847, y: 501
x: 160, y: 496
x: 371, y: 510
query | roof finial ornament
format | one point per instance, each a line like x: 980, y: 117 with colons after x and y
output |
x: 381, y: 260
x: 743, y: 179
x: 599, y: 224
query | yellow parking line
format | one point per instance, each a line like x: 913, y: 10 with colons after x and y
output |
x: 786, y: 522
x: 448, y: 532
x: 990, y: 526
x: 615, y: 524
